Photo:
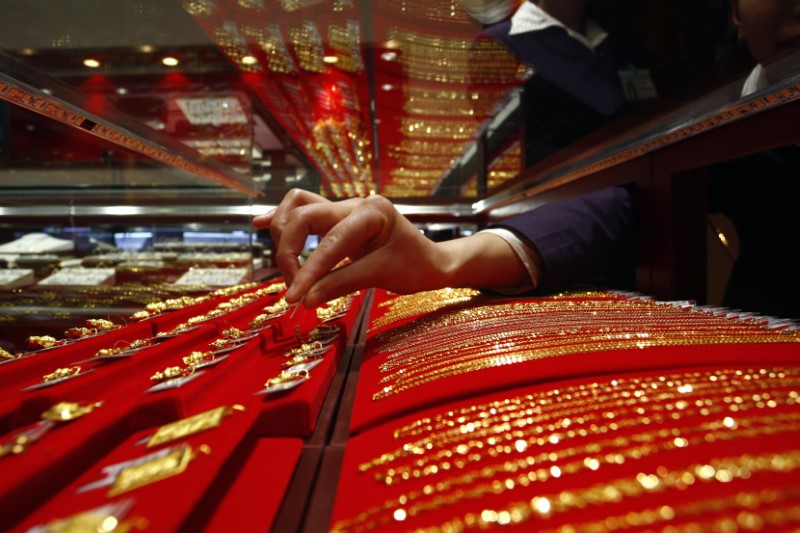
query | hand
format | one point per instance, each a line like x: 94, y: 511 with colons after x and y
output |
x: 386, y: 250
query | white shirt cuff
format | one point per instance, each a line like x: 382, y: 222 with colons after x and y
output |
x: 525, y: 254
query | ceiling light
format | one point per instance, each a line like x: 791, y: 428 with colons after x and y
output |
x: 249, y: 60
x: 27, y: 51
x: 389, y: 56
x: 170, y: 61
x: 330, y: 59
x: 387, y: 86
x: 91, y: 63
x: 147, y: 48
x: 212, y: 110
x: 122, y: 90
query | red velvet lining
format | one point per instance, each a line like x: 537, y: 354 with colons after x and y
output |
x: 359, y: 491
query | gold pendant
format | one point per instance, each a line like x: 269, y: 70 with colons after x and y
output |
x: 191, y: 425
x: 155, y: 470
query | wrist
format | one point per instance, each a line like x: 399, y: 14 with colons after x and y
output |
x: 481, y: 261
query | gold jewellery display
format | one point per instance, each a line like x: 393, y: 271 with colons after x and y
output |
x: 172, y: 372
x: 138, y: 344
x: 61, y: 412
x: 583, y: 437
x: 460, y: 341
x: 286, y: 377
x: 41, y: 342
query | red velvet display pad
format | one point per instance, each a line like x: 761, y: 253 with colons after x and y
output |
x: 36, y: 364
x: 123, y: 379
x: 170, y: 319
x: 296, y: 320
x: 251, y: 499
x: 662, y: 433
x: 30, y: 478
x: 164, y: 504
x: 293, y: 412
x: 368, y: 411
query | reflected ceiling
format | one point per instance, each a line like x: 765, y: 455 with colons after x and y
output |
x: 382, y: 96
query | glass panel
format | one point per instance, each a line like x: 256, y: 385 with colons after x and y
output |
x: 391, y: 96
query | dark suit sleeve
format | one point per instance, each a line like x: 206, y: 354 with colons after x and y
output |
x: 586, y: 240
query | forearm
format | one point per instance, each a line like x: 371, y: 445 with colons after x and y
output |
x: 481, y: 261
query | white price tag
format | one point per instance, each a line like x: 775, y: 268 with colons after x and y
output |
x: 214, y: 277
x: 83, y: 277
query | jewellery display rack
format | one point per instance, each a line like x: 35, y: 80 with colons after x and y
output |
x: 188, y: 406
x: 439, y: 411
x: 591, y: 411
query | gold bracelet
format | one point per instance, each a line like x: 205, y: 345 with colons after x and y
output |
x: 542, y: 507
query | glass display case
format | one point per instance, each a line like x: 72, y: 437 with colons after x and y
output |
x: 139, y: 138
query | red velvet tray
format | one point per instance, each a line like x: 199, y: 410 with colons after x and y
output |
x: 700, y: 446
x: 165, y: 504
x: 374, y: 403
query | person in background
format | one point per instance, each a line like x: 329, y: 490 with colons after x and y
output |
x: 575, y: 86
x: 758, y: 193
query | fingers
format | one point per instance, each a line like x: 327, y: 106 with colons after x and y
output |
x: 358, y: 228
x: 352, y: 229
x: 264, y: 221
x: 277, y: 219
x: 352, y: 277
x: 293, y: 199
x: 311, y: 219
